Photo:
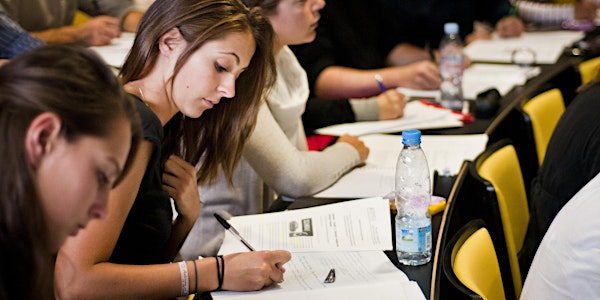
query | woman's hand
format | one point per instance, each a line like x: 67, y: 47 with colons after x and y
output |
x: 179, y: 181
x: 251, y: 271
x: 359, y: 145
x: 391, y: 104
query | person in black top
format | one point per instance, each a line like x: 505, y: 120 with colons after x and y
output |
x: 198, y: 69
x: 572, y: 159
x: 68, y: 134
x: 394, y: 39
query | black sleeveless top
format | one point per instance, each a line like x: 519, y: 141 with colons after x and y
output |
x: 147, y: 228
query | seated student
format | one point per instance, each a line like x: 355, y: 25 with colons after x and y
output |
x: 567, y: 263
x: 198, y: 69
x: 570, y: 162
x: 52, y: 20
x: 63, y: 116
x: 558, y: 14
x: 13, y: 39
x: 356, y: 41
x: 276, y: 158
x: 419, y: 24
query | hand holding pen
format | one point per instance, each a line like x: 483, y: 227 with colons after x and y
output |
x: 268, y: 263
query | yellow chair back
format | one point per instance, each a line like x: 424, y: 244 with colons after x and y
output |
x: 476, y: 266
x: 503, y: 171
x: 544, y: 110
x: 589, y: 69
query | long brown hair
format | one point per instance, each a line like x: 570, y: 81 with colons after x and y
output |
x: 76, y: 85
x: 218, y: 136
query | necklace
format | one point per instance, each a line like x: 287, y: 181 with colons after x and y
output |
x: 142, y: 94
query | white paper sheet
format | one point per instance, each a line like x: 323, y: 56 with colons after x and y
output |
x: 355, y: 225
x: 416, y: 116
x: 445, y: 153
x: 547, y: 46
x: 116, y: 52
x: 359, y: 275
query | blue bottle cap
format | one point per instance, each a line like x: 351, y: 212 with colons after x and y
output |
x: 411, y: 137
x: 451, y: 28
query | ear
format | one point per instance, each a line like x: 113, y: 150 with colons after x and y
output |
x: 168, y: 42
x: 41, y: 137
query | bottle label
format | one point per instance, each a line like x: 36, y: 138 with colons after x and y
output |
x: 415, y: 239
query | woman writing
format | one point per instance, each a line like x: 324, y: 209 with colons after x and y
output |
x: 68, y: 133
x: 277, y: 153
x: 198, y: 69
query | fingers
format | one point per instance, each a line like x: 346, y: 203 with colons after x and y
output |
x: 391, y: 105
x: 278, y: 259
x: 99, y: 31
x: 510, y: 27
x: 359, y: 145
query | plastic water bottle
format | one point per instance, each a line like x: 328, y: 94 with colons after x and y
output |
x: 413, y: 194
x: 451, y: 68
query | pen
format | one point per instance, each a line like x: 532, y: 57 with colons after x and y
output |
x: 233, y: 231
x: 379, y: 80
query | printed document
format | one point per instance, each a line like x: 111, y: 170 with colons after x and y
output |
x: 362, y: 224
x: 359, y: 275
x: 346, y: 236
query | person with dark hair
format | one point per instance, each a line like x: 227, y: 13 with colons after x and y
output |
x: 198, y: 69
x: 362, y: 45
x: 276, y: 161
x: 68, y: 133
x: 52, y: 20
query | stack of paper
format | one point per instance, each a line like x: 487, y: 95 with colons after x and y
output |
x: 348, y: 236
x: 416, y: 116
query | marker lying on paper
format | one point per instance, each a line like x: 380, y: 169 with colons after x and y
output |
x: 233, y: 231
x: 330, y: 276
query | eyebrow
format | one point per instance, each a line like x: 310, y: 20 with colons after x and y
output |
x: 237, y: 58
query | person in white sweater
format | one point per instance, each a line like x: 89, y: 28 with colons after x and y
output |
x: 276, y: 160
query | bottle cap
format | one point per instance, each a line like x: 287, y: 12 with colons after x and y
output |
x: 451, y: 28
x: 411, y: 137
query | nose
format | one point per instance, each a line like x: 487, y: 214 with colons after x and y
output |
x: 227, y: 86
x: 99, y: 209
x: 319, y: 4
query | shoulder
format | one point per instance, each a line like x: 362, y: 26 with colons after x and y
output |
x: 152, y: 128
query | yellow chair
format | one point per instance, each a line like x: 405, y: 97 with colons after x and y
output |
x: 589, y: 69
x: 471, y: 264
x: 544, y: 110
x: 499, y: 168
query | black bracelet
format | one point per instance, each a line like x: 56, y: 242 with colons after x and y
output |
x: 221, y: 271
x: 195, y: 274
x: 219, y: 274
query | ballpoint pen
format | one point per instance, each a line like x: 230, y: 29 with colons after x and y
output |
x: 233, y: 231
x: 379, y: 80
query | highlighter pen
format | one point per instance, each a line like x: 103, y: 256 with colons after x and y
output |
x: 379, y: 80
x: 233, y: 231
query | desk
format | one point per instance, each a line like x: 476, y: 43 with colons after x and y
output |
x: 561, y: 74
